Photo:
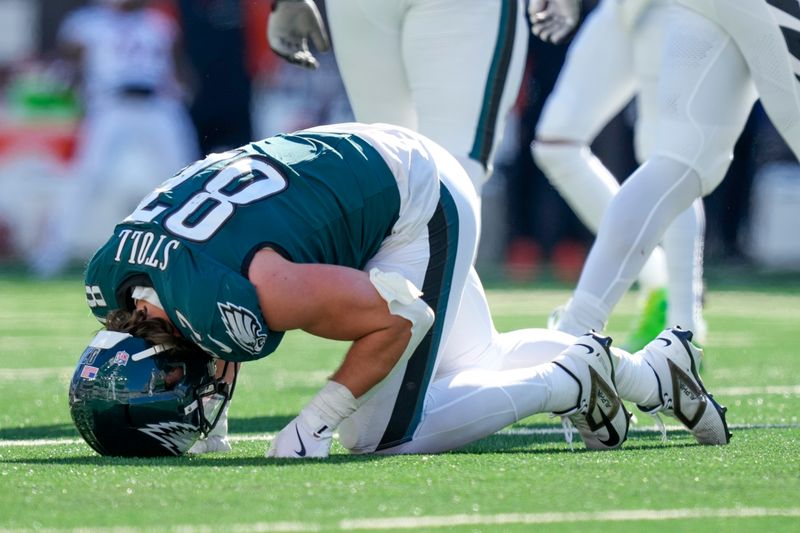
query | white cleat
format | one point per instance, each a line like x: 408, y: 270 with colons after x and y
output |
x: 600, y: 416
x: 675, y: 361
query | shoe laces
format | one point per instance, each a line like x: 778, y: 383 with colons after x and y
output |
x: 567, y: 426
x: 660, y: 425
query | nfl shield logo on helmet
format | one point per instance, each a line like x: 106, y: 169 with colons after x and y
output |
x: 121, y: 359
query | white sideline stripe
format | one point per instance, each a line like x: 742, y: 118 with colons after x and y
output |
x: 413, y: 522
x: 266, y: 437
x: 755, y: 391
x: 560, y: 518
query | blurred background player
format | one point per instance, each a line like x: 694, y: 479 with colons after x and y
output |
x: 125, y: 58
x: 628, y: 36
x: 718, y: 58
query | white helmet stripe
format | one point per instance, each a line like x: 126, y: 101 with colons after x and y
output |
x: 144, y: 354
x: 108, y: 339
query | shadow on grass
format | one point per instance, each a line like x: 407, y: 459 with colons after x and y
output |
x: 548, y: 433
x: 261, y: 424
x: 52, y: 431
x: 545, y: 443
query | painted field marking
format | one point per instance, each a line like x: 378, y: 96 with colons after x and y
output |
x: 414, y: 522
x: 560, y: 518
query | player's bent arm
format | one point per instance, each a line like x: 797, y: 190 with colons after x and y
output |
x: 337, y: 303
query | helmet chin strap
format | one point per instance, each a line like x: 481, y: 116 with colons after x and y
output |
x: 223, y: 389
x: 150, y: 352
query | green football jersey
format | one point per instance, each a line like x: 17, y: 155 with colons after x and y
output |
x: 315, y: 197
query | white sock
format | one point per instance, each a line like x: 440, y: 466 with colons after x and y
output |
x: 583, y: 313
x: 683, y: 242
x: 636, y: 380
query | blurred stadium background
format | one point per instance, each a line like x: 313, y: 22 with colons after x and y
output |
x: 529, y: 232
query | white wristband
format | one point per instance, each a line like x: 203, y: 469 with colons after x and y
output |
x: 329, y: 407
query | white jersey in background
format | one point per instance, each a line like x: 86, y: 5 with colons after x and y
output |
x: 136, y: 131
x: 123, y: 51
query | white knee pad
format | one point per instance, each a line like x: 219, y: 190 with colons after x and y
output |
x: 711, y: 163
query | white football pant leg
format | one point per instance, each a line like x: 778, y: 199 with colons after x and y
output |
x: 684, y: 240
x: 577, y: 110
x: 476, y: 401
x: 367, y: 37
x: 589, y: 93
x: 755, y: 26
x: 400, y: 67
x: 705, y: 95
x: 365, y: 430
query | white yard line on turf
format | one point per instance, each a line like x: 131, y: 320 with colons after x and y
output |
x: 522, y: 431
x: 560, y: 518
x: 414, y: 522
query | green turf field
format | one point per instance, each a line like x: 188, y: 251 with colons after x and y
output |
x: 523, y: 479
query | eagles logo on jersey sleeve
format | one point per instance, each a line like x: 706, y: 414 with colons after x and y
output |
x: 218, y: 309
x: 243, y: 327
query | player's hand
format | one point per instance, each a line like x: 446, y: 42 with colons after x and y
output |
x: 299, y: 441
x: 216, y: 440
x: 291, y: 24
x: 211, y: 444
x: 553, y: 20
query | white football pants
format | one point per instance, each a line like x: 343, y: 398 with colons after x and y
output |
x: 449, y: 69
x: 464, y: 380
x: 715, y: 64
x: 588, y: 94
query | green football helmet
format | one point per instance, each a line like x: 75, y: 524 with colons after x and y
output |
x: 133, y: 399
